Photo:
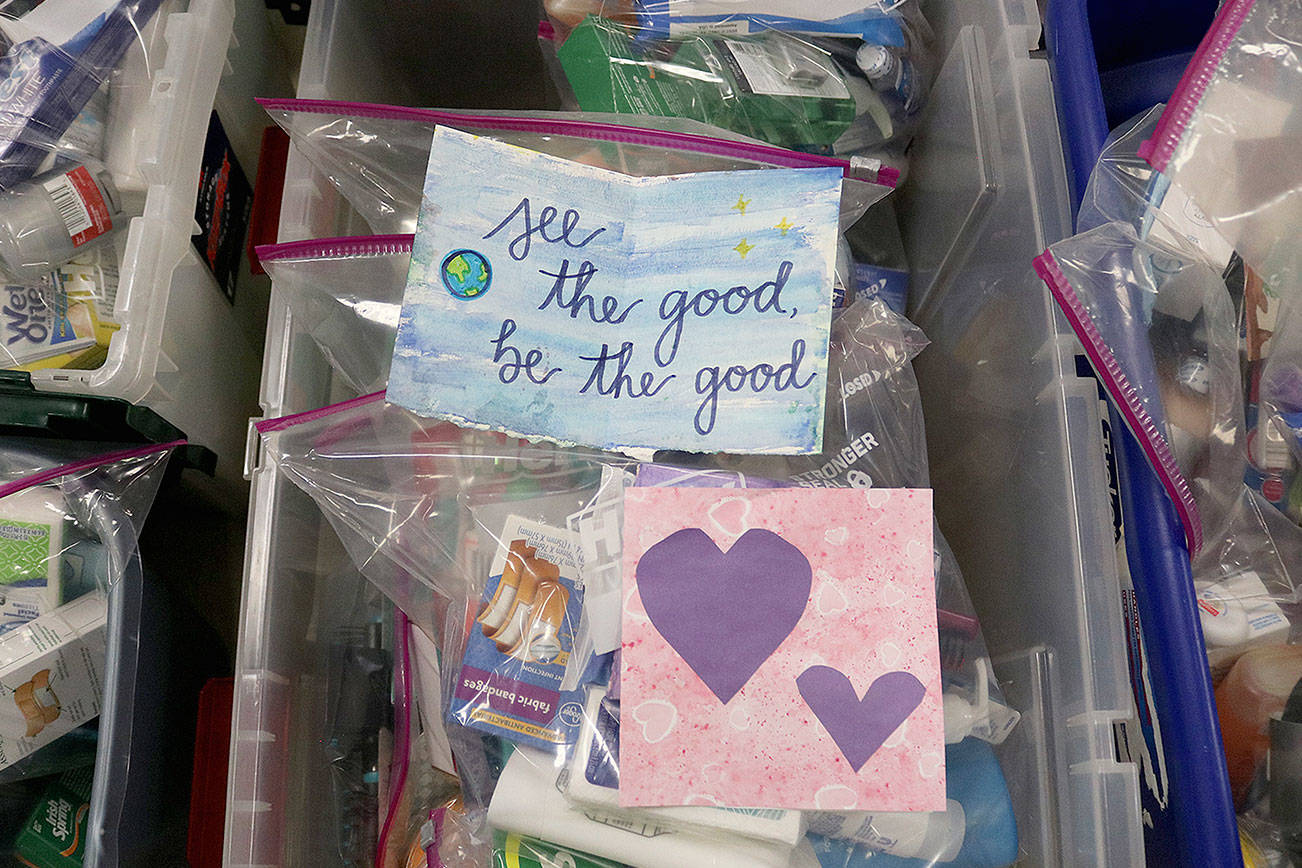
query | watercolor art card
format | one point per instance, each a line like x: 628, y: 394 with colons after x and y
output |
x: 780, y: 650
x: 548, y: 298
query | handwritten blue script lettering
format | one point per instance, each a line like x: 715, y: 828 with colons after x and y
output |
x: 519, y: 246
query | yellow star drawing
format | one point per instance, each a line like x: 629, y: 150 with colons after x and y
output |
x: 783, y: 226
x: 743, y: 248
x: 740, y: 207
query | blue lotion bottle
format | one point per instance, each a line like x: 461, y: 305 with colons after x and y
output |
x: 974, y: 780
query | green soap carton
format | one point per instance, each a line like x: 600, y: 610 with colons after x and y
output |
x: 54, y: 835
x: 768, y: 86
x: 516, y: 851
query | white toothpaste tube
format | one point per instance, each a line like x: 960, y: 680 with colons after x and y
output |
x: 527, y: 802
x: 591, y: 779
x: 936, y: 835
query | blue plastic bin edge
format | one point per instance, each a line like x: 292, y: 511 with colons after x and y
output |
x: 1201, y: 815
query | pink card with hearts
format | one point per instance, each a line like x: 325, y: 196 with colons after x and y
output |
x: 780, y: 650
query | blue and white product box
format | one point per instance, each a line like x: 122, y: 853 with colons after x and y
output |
x: 522, y: 637
x: 891, y: 285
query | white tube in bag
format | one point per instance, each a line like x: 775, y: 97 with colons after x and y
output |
x: 527, y: 802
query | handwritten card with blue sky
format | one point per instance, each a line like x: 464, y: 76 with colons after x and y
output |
x: 552, y: 299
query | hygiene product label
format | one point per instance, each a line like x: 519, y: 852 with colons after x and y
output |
x: 31, y: 539
x: 51, y: 676
x: 81, y: 205
x: 780, y: 649
x: 54, y: 835
x: 514, y: 851
x: 521, y: 639
x: 547, y: 298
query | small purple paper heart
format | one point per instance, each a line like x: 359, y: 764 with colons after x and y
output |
x: 724, y: 612
x: 859, y: 726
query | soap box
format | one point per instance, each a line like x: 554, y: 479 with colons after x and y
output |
x: 521, y: 639
x: 51, y: 676
x: 54, y: 835
x: 31, y: 540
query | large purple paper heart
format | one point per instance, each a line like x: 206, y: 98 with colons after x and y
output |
x: 724, y: 612
x: 859, y: 726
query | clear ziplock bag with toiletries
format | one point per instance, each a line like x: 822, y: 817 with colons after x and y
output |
x: 59, y: 61
x: 1230, y: 140
x: 511, y: 549
x: 845, y: 77
x: 1125, y: 188
x: 70, y: 517
x: 1180, y: 332
x: 1183, y: 333
x: 376, y: 155
x: 1231, y: 136
x: 75, y: 123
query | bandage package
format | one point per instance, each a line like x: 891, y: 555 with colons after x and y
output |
x: 51, y: 676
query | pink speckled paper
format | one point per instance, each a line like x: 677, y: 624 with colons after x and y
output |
x: 871, y: 610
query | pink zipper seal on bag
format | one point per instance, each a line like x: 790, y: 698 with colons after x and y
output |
x: 1171, y: 127
x: 280, y: 423
x: 336, y: 248
x: 85, y: 464
x: 690, y: 142
x: 1124, y: 398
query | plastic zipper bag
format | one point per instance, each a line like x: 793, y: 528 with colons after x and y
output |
x: 347, y: 294
x: 503, y: 573
x: 839, y: 78
x: 1124, y: 188
x: 1245, y: 583
x: 58, y: 56
x: 1161, y: 334
x: 69, y: 568
x: 1159, y: 330
x: 1231, y: 135
x: 376, y: 155
x: 515, y: 563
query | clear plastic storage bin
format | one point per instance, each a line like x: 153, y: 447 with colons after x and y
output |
x: 181, y: 350
x: 1015, y: 430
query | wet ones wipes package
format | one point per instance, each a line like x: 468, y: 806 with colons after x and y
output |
x: 66, y: 323
x: 522, y: 637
